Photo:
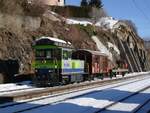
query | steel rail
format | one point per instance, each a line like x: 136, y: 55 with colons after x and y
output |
x: 123, y: 99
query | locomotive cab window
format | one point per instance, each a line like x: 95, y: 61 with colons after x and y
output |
x: 66, y: 54
x: 40, y: 53
x: 46, y: 54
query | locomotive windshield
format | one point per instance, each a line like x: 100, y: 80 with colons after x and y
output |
x: 44, y: 54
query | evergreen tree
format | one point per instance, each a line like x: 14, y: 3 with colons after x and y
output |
x: 84, y: 3
x: 95, y: 3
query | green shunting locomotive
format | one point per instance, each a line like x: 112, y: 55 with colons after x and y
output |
x: 54, y: 64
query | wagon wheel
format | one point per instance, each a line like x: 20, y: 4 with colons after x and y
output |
x: 2, y: 79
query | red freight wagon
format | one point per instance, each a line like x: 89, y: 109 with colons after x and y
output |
x: 95, y: 61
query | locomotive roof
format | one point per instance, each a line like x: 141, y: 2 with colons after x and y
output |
x: 52, y: 40
x: 93, y: 52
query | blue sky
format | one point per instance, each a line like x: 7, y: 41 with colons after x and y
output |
x: 138, y: 12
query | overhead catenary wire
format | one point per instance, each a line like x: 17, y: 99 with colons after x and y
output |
x: 137, y: 6
x: 146, y: 4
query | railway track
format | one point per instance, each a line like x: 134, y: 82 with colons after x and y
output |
x: 57, y: 90
x: 141, y: 106
x: 126, y: 98
x: 10, y: 106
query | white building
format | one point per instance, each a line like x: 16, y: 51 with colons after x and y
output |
x: 50, y: 2
x: 55, y: 2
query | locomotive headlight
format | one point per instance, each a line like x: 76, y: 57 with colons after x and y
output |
x: 36, y: 70
x: 49, y: 71
x: 44, y: 61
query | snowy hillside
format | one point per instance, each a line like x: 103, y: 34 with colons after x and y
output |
x: 73, y: 21
x: 107, y: 22
x: 102, y: 48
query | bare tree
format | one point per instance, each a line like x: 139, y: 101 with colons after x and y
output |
x: 95, y: 3
x: 84, y: 3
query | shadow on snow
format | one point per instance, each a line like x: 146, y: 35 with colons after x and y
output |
x: 86, y: 103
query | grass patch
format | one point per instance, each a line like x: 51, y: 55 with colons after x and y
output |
x: 89, y: 29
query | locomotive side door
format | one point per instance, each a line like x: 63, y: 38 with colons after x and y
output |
x: 57, y: 63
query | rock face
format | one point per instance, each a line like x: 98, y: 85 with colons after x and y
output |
x: 16, y: 47
x: 130, y: 45
x: 18, y: 32
x: 132, y: 48
x: 147, y: 46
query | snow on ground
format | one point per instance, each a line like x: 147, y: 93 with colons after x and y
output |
x: 92, y: 102
x: 102, y: 48
x: 110, y: 45
x: 107, y: 22
x: 137, y: 73
x: 73, y: 21
x: 14, y: 86
x: 125, y: 106
x: 139, y: 85
x: 132, y: 74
